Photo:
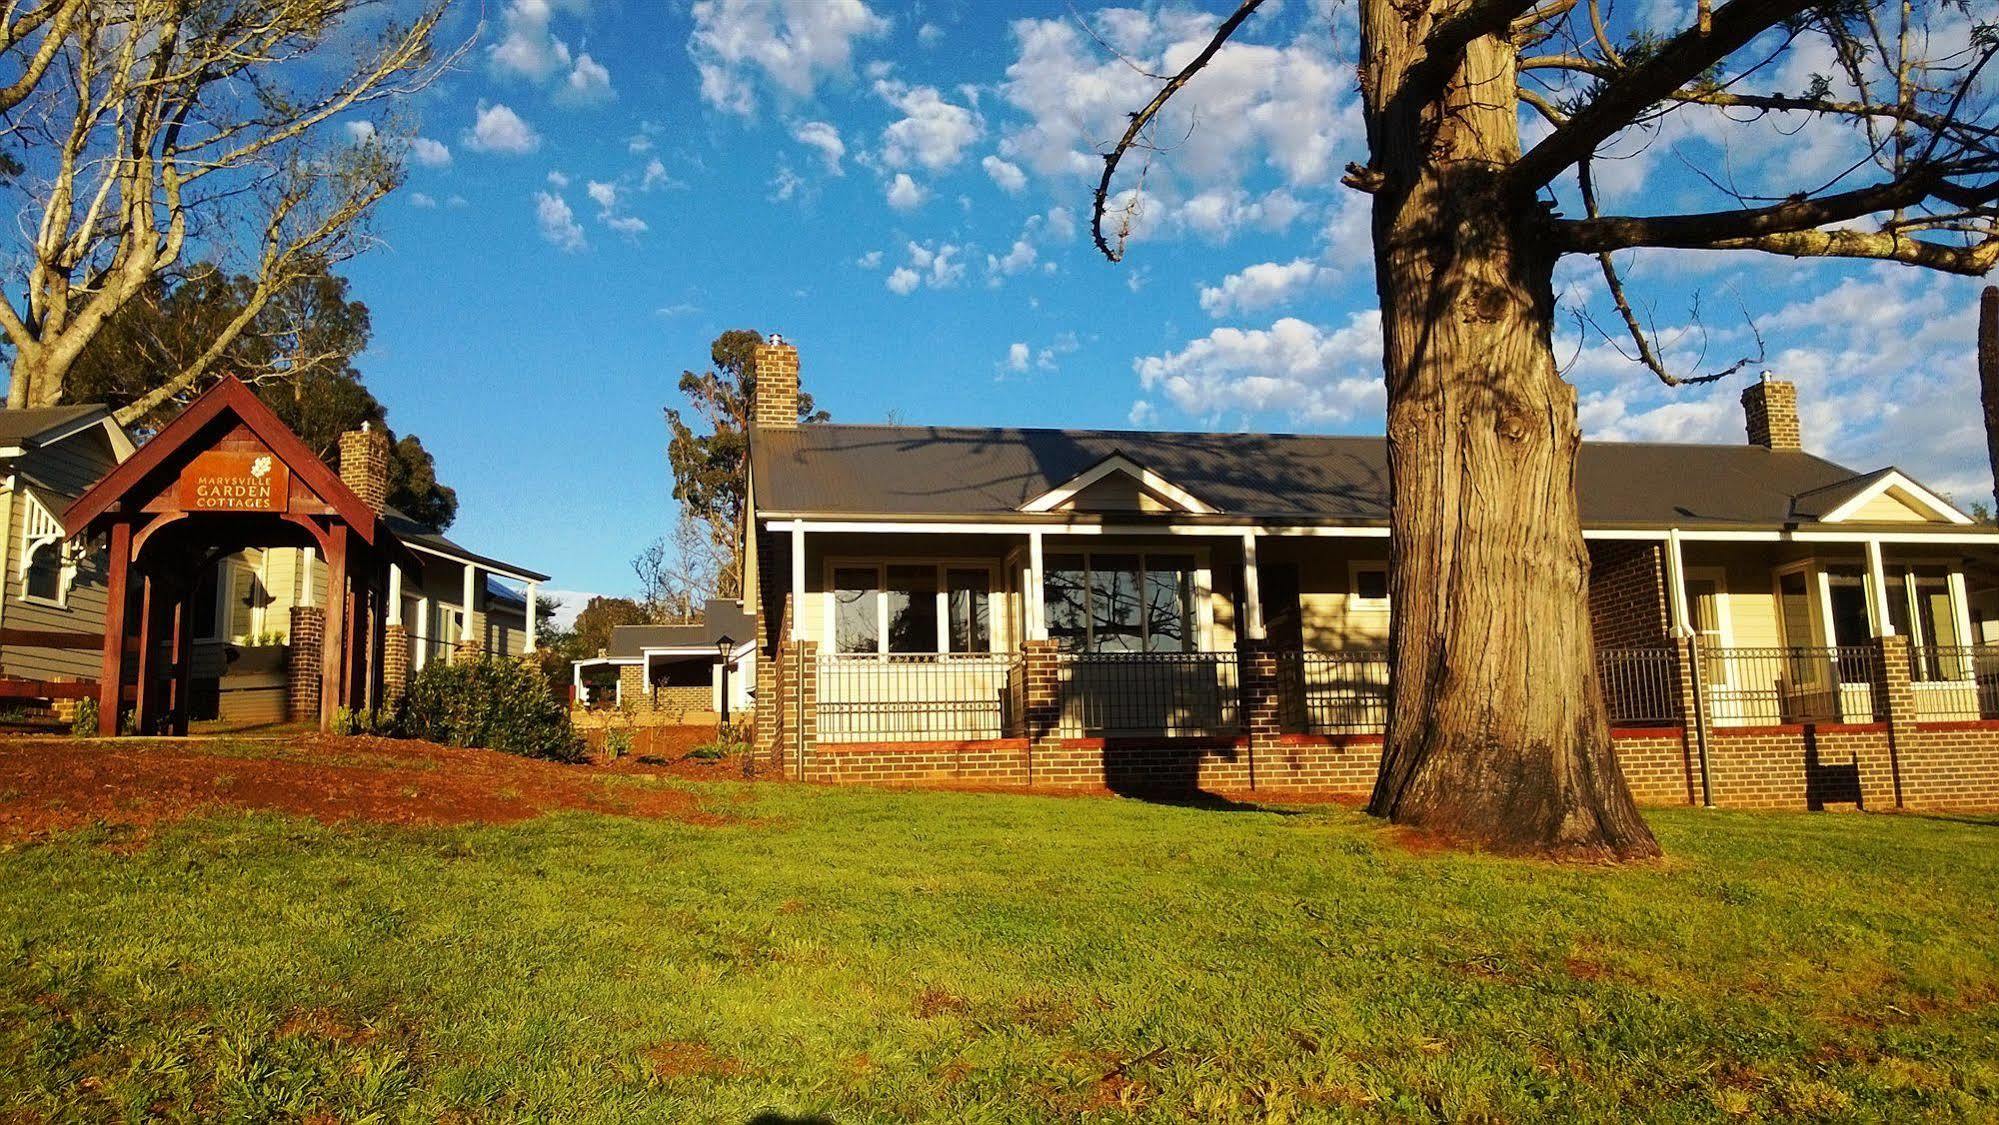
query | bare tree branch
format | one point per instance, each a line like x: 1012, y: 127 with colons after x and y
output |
x: 1144, y: 117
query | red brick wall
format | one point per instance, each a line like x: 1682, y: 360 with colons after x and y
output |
x: 1627, y: 594
x: 1954, y: 765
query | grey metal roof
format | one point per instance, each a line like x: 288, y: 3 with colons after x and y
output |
x: 409, y: 531
x: 23, y: 426
x: 722, y: 617
x: 945, y: 472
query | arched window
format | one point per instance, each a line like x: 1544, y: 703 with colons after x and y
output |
x: 46, y: 569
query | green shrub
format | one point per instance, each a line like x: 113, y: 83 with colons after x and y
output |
x: 85, y: 723
x: 376, y: 721
x: 492, y: 702
x: 617, y: 743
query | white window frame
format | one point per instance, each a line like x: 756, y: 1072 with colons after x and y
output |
x: 1203, y: 580
x: 997, y: 627
x: 40, y: 529
x: 1358, y: 604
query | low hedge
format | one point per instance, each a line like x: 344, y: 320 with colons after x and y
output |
x: 489, y: 702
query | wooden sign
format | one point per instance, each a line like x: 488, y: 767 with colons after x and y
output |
x: 229, y: 480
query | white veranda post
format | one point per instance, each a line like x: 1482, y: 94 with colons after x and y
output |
x: 531, y: 588
x: 465, y: 607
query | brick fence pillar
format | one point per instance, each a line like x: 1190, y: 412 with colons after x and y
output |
x: 766, y: 735
x: 1041, y: 672
x: 633, y: 698
x: 1894, y: 704
x: 1694, y: 725
x: 302, y: 665
x: 395, y: 663
x: 798, y: 706
x: 1262, y: 699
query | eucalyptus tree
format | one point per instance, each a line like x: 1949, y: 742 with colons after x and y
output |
x: 1498, y: 733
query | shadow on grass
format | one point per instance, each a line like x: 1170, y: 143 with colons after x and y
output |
x: 1200, y: 799
x: 1975, y: 820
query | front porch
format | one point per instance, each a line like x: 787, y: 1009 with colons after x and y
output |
x: 1260, y: 660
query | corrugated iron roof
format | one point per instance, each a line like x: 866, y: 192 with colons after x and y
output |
x: 947, y: 471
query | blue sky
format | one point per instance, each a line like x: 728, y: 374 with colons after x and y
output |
x: 903, y: 191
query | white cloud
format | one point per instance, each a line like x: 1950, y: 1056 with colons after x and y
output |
x: 359, y: 132
x: 557, y: 178
x: 1262, y: 286
x: 788, y: 44
x: 457, y: 201
x: 602, y: 194
x: 527, y: 48
x: 905, y: 194
x: 569, y: 603
x: 500, y: 130
x: 1021, y: 256
x: 419, y: 199
x: 589, y: 83
x: 557, y: 223
x: 932, y: 133
x: 1061, y: 224
x: 929, y: 35
x: 1007, y: 175
x: 933, y: 264
x: 823, y: 138
x: 785, y: 184
x: 630, y: 226
x: 1297, y: 369
x: 1286, y: 107
x: 429, y: 153
x: 871, y: 260
x: 1018, y: 355
x: 1884, y: 361
x: 655, y: 176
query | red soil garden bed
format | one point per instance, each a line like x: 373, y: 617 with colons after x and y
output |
x: 55, y: 784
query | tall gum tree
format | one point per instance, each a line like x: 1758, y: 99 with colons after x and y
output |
x: 1497, y: 734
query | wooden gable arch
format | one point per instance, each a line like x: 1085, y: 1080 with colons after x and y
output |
x: 227, y: 416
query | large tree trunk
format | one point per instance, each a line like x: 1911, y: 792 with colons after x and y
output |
x: 1498, y: 734
x: 1988, y: 380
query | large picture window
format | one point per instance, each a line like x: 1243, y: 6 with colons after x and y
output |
x: 914, y: 608
x: 1120, y: 602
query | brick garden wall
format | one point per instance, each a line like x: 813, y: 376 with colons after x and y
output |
x: 1627, y: 594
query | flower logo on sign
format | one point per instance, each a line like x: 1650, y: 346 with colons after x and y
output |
x: 260, y: 468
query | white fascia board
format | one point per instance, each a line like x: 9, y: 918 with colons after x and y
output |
x: 475, y: 563
x: 1118, y: 463
x: 1895, y: 480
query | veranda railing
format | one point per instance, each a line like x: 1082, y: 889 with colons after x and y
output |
x: 919, y: 697
x: 1641, y: 686
x: 1955, y: 683
x: 1802, y: 684
x: 1149, y: 693
x: 1342, y: 692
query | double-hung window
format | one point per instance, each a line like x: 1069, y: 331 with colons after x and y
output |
x: 912, y: 608
x: 1121, y: 602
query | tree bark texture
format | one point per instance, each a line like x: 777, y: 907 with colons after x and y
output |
x: 1988, y: 380
x: 1497, y: 735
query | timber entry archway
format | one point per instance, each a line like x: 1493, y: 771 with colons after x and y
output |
x: 224, y: 475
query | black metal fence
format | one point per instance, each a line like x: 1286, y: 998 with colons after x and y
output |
x: 1334, y: 692
x: 1641, y: 686
x: 1149, y: 693
x: 1955, y: 683
x: 1801, y: 684
x: 919, y: 697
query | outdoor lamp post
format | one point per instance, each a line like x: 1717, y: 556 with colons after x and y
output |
x: 724, y: 645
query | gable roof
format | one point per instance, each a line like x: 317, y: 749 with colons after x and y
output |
x: 419, y: 537
x: 946, y: 472
x: 31, y: 426
x: 227, y: 398
x: 1837, y: 503
x: 1071, y: 491
x: 722, y: 617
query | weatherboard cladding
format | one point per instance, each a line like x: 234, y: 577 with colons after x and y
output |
x: 902, y: 471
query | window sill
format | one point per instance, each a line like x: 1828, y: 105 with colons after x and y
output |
x: 52, y: 603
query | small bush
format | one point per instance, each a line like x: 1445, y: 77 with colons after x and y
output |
x: 85, y: 723
x: 376, y: 721
x: 492, y: 702
x: 617, y: 744
x: 711, y: 751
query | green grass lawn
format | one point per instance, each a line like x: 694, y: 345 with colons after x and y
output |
x: 855, y: 956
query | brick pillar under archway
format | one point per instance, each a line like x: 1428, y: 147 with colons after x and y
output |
x: 303, y: 668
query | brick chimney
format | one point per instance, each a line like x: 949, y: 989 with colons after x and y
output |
x: 775, y: 405
x: 1770, y: 407
x: 364, y: 464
